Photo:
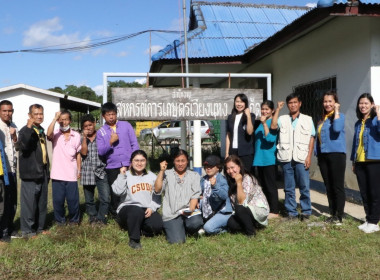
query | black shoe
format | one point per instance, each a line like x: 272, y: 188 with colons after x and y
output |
x: 292, y: 218
x: 134, y: 245
x: 334, y: 220
x: 305, y: 217
x: 16, y: 235
x: 5, y: 239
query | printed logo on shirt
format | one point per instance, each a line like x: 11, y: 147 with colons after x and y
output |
x: 141, y: 187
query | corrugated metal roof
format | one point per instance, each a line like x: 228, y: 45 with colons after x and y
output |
x: 228, y: 29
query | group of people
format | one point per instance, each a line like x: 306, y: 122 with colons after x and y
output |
x: 291, y: 139
x: 110, y: 161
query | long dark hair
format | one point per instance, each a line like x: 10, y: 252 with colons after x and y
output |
x: 243, y: 98
x: 372, y: 113
x: 231, y: 181
x: 135, y: 153
x: 268, y: 103
x: 336, y: 99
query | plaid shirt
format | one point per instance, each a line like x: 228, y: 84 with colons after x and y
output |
x: 92, y: 165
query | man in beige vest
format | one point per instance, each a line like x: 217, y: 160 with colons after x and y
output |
x: 294, y: 150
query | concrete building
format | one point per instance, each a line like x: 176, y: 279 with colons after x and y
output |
x: 335, y: 47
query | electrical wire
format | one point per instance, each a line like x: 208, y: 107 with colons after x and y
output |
x: 82, y: 47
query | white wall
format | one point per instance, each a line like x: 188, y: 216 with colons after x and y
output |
x: 22, y: 99
x: 343, y: 47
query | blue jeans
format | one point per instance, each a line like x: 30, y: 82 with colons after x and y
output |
x: 103, y: 195
x: 65, y: 190
x: 177, y: 228
x: 296, y: 174
x: 217, y: 224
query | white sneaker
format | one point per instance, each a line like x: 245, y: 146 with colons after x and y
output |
x: 362, y: 226
x: 201, y: 232
x: 371, y: 228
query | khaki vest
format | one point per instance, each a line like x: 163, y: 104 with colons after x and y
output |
x: 294, y: 144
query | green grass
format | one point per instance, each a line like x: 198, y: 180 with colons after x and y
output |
x: 286, y: 250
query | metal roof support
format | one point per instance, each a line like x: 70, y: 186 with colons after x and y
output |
x: 197, y: 149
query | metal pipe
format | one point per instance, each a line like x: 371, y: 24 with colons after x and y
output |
x: 190, y: 75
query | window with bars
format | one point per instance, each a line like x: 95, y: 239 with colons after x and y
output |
x: 311, y: 95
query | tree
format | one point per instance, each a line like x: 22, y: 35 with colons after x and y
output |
x: 120, y: 84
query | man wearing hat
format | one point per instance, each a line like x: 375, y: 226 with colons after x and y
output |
x: 215, y: 203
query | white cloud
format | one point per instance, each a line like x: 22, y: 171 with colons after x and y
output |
x: 122, y: 54
x: 98, y: 52
x: 98, y: 89
x: 78, y: 57
x: 311, y: 5
x: 43, y: 33
x: 154, y: 49
x: 103, y: 33
x: 141, y: 81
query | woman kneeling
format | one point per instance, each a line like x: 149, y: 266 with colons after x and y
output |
x: 138, y: 204
x: 181, y: 189
x: 247, y: 198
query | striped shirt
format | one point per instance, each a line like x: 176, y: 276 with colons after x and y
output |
x: 92, y: 165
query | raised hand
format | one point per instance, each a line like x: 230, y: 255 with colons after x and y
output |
x: 247, y: 112
x: 114, y: 137
x: 163, y: 165
x: 57, y: 115
x: 238, y: 178
x: 264, y: 118
x: 336, y: 107
x: 280, y: 105
x: 212, y: 180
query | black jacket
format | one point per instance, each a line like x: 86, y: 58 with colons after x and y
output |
x: 31, y: 166
x: 245, y: 141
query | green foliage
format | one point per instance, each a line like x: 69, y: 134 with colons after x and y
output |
x: 120, y: 84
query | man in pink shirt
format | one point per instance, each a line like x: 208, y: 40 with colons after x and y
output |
x: 65, y: 169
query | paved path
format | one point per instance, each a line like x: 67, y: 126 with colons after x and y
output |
x: 320, y: 204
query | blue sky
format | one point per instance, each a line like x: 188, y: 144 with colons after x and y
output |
x: 27, y: 24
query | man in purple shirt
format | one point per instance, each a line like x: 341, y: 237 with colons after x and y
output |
x: 116, y: 141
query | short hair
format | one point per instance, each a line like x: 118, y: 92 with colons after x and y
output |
x: 293, y: 95
x: 35, y: 106
x: 372, y: 113
x: 87, y: 118
x: 179, y: 152
x: 66, y: 112
x: 108, y: 107
x: 6, y: 102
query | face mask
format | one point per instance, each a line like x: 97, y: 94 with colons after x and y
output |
x: 64, y: 128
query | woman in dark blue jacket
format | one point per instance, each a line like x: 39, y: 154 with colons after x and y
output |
x: 331, y: 152
x: 365, y: 157
x: 239, y: 138
x: 215, y: 202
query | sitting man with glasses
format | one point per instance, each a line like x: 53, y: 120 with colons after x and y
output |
x: 34, y: 173
x: 116, y: 141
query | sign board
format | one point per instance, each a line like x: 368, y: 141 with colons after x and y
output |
x: 180, y: 103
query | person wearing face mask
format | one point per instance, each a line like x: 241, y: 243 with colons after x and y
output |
x: 65, y: 169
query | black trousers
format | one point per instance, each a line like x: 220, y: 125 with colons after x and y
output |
x: 267, y: 178
x: 333, y: 167
x: 367, y: 174
x: 132, y: 218
x: 115, y: 199
x: 246, y: 160
x: 242, y: 221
